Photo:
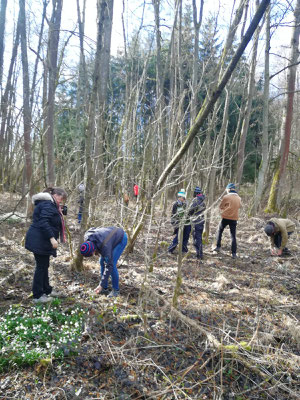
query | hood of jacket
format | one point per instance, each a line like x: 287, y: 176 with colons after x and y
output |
x: 42, y: 196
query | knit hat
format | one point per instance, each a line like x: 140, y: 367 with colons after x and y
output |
x: 197, y: 190
x: 230, y: 186
x: 181, y: 193
x: 269, y: 228
x: 87, y: 249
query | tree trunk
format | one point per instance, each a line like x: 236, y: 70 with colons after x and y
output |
x: 90, y: 135
x: 3, y: 5
x: 54, y: 29
x: 102, y: 100
x: 265, y: 140
x: 215, y: 161
x: 5, y: 101
x: 197, y: 21
x: 26, y: 98
x: 275, y: 196
x: 82, y: 93
x: 245, y: 126
x: 160, y: 104
x: 38, y: 56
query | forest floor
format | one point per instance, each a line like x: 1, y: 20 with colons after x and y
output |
x: 235, y: 333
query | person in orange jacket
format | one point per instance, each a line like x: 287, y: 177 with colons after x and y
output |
x: 229, y: 209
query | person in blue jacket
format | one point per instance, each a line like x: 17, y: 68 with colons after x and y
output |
x: 109, y: 243
x: 195, y: 211
x: 41, y: 238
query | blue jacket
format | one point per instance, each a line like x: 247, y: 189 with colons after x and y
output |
x: 196, y: 209
x: 98, y: 236
x: 46, y: 223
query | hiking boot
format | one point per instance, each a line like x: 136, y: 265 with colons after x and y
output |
x: 42, y: 300
x: 217, y: 249
x: 286, y: 252
x: 233, y: 256
x: 199, y: 257
x: 55, y: 293
x: 114, y: 293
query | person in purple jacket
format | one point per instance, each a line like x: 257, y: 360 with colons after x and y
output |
x: 109, y: 243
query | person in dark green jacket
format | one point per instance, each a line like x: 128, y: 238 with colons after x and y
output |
x: 178, y: 217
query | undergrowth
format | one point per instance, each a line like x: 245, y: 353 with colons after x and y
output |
x: 28, y: 335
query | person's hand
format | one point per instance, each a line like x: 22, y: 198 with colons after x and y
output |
x: 279, y: 253
x: 273, y: 252
x: 98, y: 289
x: 54, y: 243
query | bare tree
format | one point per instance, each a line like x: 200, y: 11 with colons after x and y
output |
x: 6, y: 100
x: 3, y: 5
x: 275, y: 196
x: 265, y: 127
x: 246, y: 120
x: 209, y: 102
x: 26, y: 97
x: 90, y: 132
x: 102, y: 96
x: 54, y: 30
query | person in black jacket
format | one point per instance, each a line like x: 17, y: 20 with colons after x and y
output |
x: 110, y: 243
x: 179, y: 217
x: 41, y: 238
x: 195, y: 211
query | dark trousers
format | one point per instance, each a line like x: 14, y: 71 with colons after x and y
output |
x: 278, y: 239
x: 79, y: 217
x: 197, y: 237
x: 41, y: 284
x: 232, y: 226
x: 186, y: 235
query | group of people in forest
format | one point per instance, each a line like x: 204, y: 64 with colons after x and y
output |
x: 191, y: 218
x: 109, y: 242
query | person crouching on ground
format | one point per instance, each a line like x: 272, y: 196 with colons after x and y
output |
x: 179, y: 217
x: 195, y: 211
x: 41, y: 238
x: 279, y: 230
x: 109, y: 243
x: 229, y: 209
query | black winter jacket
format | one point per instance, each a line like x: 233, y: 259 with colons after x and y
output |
x: 46, y: 224
x: 98, y: 236
x: 196, y: 209
x: 179, y: 214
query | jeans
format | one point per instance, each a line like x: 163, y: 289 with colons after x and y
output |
x: 186, y: 235
x: 117, y: 251
x: 41, y: 284
x: 197, y: 237
x: 232, y: 226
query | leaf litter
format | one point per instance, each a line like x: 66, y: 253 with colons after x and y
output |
x: 235, y: 334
